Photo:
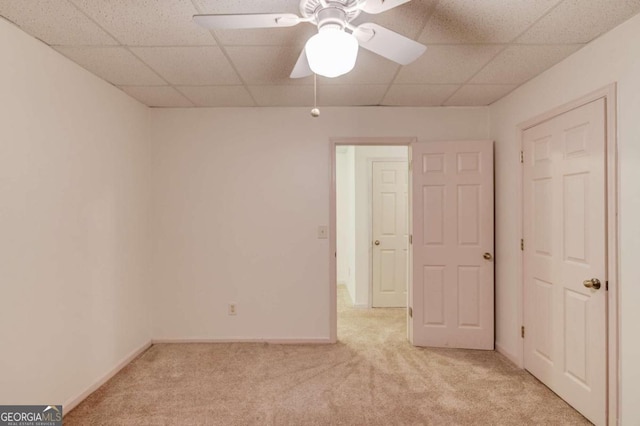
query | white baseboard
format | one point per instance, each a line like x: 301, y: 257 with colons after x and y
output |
x: 511, y: 357
x: 273, y: 341
x: 361, y: 306
x: 73, y: 402
x: 298, y: 341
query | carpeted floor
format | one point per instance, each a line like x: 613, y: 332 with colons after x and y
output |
x: 371, y: 377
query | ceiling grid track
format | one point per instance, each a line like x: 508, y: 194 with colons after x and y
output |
x: 158, y: 53
x: 226, y: 55
x: 395, y: 75
x: 506, y: 46
x: 127, y: 48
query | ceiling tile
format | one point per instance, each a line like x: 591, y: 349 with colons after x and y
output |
x: 408, y: 19
x: 148, y: 22
x: 266, y: 64
x: 346, y: 95
x: 419, y: 95
x: 217, y: 96
x: 479, y: 94
x: 487, y: 21
x: 580, y: 21
x: 282, y: 95
x: 370, y: 69
x: 56, y: 22
x: 248, y: 6
x: 517, y: 64
x: 157, y: 96
x: 196, y: 65
x: 470, y: 43
x: 115, y: 64
x: 292, y: 36
x: 442, y: 64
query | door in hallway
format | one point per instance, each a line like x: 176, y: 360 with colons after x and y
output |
x: 564, y: 191
x: 452, y: 260
x: 390, y: 234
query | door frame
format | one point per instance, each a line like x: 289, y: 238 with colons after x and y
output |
x: 608, y: 93
x: 333, y: 266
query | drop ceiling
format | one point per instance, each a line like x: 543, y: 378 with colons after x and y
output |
x: 478, y: 50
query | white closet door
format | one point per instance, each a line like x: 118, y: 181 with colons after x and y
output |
x: 564, y: 248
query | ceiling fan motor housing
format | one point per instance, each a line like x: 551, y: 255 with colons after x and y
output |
x: 337, y: 12
x: 331, y: 17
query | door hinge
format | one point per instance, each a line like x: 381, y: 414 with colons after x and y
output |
x: 522, y: 331
x: 522, y: 244
x: 410, y: 239
x: 410, y: 312
x: 606, y: 285
x: 522, y: 156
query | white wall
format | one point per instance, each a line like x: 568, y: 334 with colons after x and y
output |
x: 363, y: 157
x: 615, y: 57
x: 74, y: 198
x: 345, y: 218
x: 238, y: 196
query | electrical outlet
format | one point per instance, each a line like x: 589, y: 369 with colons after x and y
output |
x: 232, y: 309
x: 323, y: 232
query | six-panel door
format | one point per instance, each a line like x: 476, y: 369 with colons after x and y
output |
x: 452, y: 265
x: 390, y: 234
x: 564, y: 246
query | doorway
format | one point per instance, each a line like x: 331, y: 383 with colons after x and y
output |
x: 359, y: 165
x: 372, y: 225
x: 451, y: 220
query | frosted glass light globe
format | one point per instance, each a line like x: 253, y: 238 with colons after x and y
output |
x: 332, y: 52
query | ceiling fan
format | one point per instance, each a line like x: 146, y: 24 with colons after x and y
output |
x: 333, y: 50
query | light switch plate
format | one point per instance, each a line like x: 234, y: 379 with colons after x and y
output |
x: 323, y: 232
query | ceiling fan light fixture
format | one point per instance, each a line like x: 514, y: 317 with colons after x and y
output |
x: 332, y: 52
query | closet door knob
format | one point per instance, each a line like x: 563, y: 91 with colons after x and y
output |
x: 593, y: 283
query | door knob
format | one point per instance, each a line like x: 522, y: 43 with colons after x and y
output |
x: 593, y: 283
x: 376, y: 242
x: 487, y: 256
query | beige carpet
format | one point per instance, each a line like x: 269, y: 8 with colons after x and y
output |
x: 371, y: 377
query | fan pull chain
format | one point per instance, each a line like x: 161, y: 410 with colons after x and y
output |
x: 315, y: 112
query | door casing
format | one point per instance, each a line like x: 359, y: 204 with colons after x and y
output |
x: 607, y: 93
x: 333, y: 271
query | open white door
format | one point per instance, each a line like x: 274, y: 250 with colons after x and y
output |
x: 565, y: 257
x: 452, y: 250
x: 390, y: 234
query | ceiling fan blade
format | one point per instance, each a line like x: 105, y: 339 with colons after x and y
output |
x: 378, y: 6
x: 388, y: 44
x: 301, y: 69
x: 241, y: 21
